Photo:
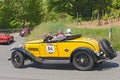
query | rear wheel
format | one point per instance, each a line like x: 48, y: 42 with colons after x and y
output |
x: 17, y: 59
x: 82, y: 60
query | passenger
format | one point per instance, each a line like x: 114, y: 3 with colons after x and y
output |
x: 54, y: 38
x: 59, y: 36
x: 68, y: 32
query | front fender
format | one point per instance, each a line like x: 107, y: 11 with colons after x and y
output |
x: 27, y: 54
x: 90, y: 52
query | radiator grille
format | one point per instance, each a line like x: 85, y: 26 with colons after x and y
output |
x: 33, y: 49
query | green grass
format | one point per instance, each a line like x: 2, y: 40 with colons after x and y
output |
x: 96, y: 33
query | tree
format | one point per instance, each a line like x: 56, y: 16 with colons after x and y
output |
x: 18, y: 13
x: 7, y: 14
x: 70, y: 6
x: 85, y: 8
x: 33, y: 11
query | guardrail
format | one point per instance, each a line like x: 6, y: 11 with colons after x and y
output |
x: 10, y: 30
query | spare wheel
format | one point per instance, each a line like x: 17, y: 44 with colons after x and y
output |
x: 107, y: 48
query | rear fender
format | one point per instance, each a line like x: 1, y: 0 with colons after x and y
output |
x: 90, y: 52
x: 27, y: 54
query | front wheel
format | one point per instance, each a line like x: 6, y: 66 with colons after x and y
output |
x: 17, y: 59
x: 83, y: 61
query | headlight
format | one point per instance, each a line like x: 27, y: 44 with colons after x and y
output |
x: 20, y: 45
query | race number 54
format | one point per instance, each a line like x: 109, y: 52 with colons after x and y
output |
x: 50, y: 48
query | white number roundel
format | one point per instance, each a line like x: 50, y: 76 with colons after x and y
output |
x: 50, y: 48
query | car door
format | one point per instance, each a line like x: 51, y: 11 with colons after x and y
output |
x: 49, y: 50
x: 65, y: 49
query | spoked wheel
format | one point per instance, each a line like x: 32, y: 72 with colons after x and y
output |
x: 82, y: 60
x: 17, y: 59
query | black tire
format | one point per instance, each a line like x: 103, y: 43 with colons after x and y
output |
x: 8, y: 42
x: 107, y: 48
x: 17, y: 59
x: 22, y: 35
x: 83, y: 61
x: 13, y: 40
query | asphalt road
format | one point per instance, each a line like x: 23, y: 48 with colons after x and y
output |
x: 54, y: 70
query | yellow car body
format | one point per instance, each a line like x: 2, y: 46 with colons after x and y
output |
x: 60, y: 49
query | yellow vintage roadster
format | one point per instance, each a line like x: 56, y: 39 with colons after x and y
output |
x: 83, y: 52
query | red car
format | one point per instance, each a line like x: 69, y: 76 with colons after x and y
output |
x: 24, y: 32
x: 6, y: 38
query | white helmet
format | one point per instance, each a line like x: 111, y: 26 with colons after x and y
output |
x: 68, y: 31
